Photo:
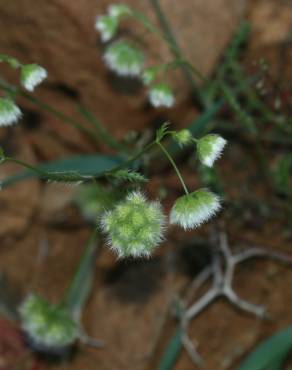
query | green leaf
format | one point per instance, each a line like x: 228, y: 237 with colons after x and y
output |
x: 270, y: 354
x: 81, y: 165
x: 2, y: 155
x: 81, y: 284
x: 172, y: 351
x: 282, y: 174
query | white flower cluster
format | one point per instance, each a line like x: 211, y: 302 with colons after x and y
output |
x: 161, y: 96
x: 124, y: 58
x: 191, y: 210
x: 210, y: 148
x: 9, y: 112
x: 48, y: 327
x: 32, y: 75
x: 108, y: 24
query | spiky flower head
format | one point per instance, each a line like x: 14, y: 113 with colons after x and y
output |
x: 49, y: 327
x: 135, y: 226
x: 107, y: 26
x: 183, y: 137
x: 191, y: 210
x: 124, y: 58
x: 161, y: 95
x: 9, y: 112
x: 210, y: 148
x: 32, y: 75
x: 119, y: 10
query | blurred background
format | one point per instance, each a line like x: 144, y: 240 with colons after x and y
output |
x: 43, y: 233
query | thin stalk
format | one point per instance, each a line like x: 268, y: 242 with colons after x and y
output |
x: 66, y: 177
x: 168, y: 36
x: 74, y: 177
x: 171, y: 40
x: 60, y: 115
x: 104, y: 135
x: 169, y: 157
x: 133, y: 158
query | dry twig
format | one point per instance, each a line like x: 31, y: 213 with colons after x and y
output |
x: 222, y: 271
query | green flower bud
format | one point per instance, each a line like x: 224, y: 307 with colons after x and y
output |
x: 161, y: 95
x: 119, y: 10
x: 193, y: 209
x: 124, y: 59
x: 50, y: 328
x: 9, y: 112
x: 107, y: 26
x: 32, y: 75
x: 183, y: 137
x: 135, y: 226
x: 210, y: 148
x: 149, y: 75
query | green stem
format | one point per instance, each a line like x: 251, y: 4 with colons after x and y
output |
x: 80, y: 286
x: 104, y: 135
x: 66, y: 177
x: 13, y: 62
x: 168, y: 36
x: 169, y: 157
x: 60, y: 115
x: 188, y: 69
x: 132, y: 158
x: 71, y: 176
x: 172, y: 42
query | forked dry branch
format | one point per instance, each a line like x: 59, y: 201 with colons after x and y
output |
x: 221, y: 273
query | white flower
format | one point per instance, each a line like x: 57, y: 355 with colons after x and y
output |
x: 32, y: 75
x: 9, y: 112
x: 161, y: 96
x: 107, y: 26
x: 210, y: 148
x: 135, y: 226
x: 118, y: 10
x: 124, y: 59
x: 191, y: 210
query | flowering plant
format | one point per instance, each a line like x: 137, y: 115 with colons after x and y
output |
x: 132, y: 225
